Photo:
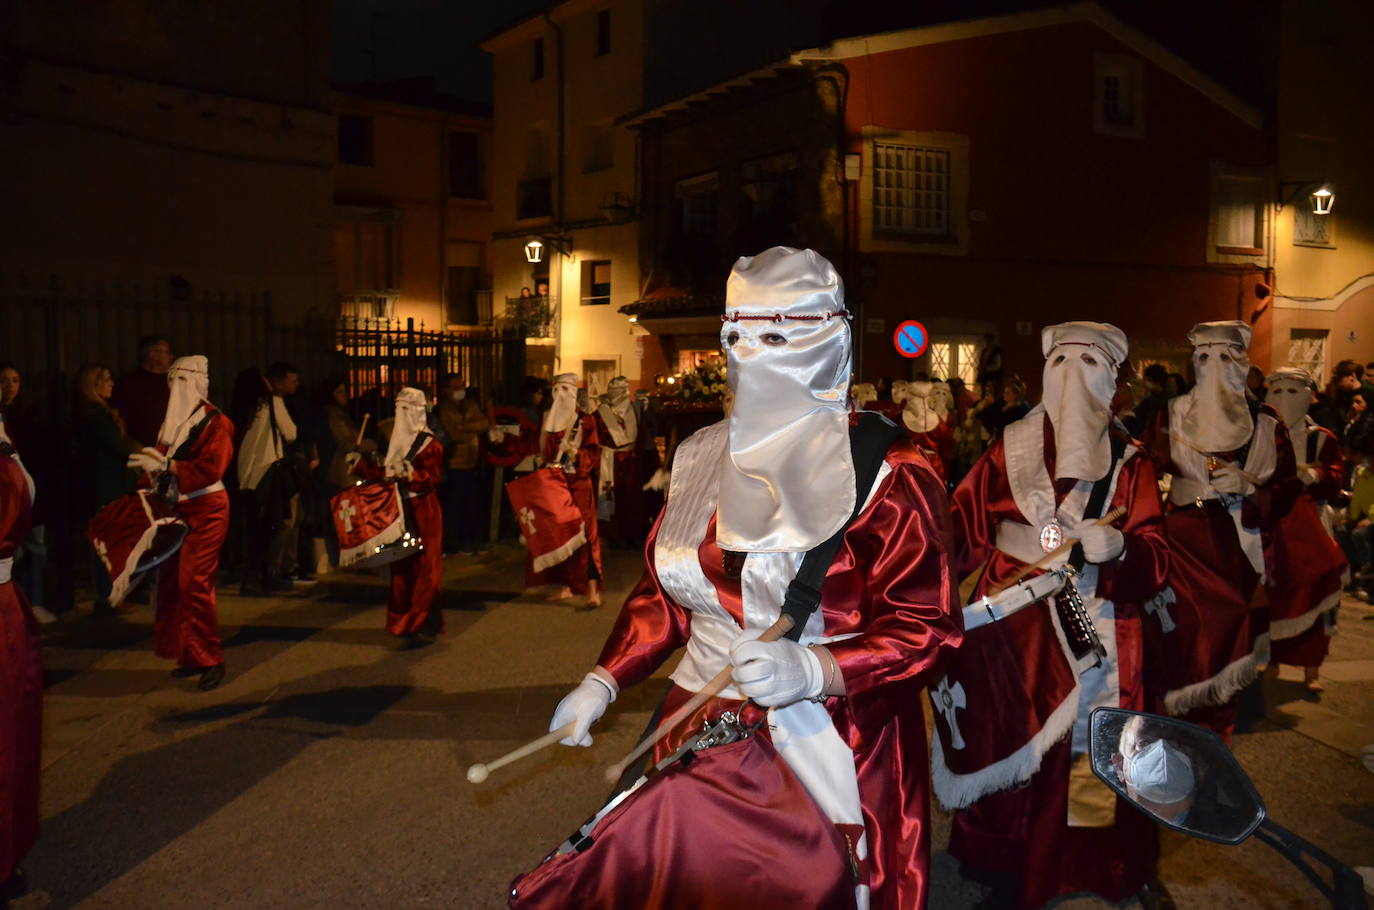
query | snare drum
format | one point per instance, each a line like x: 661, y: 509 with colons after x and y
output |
x: 374, y: 525
x: 132, y: 535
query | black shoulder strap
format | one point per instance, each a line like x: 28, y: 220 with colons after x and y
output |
x: 869, y: 441
x: 1313, y: 439
x: 184, y: 450
x: 421, y: 438
x: 1097, y: 498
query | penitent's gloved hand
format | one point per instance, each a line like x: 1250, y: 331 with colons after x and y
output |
x: 584, y: 706
x: 1101, y: 543
x: 775, y: 673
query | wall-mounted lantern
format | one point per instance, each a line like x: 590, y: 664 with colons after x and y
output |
x: 534, y: 250
x: 1322, y: 196
x: 537, y: 247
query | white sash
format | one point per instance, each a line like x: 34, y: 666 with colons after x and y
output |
x: 1033, y: 492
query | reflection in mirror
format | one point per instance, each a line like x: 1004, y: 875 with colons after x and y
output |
x: 1180, y: 775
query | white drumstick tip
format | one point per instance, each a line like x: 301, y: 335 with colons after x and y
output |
x: 477, y: 774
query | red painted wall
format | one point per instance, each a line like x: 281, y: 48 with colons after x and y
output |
x: 1079, y: 225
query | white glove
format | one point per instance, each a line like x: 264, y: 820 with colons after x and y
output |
x: 775, y: 673
x: 658, y: 482
x: 352, y: 458
x: 1309, y: 476
x: 148, y: 460
x: 584, y: 705
x: 1227, y: 478
x: 402, y: 471
x: 1101, y: 543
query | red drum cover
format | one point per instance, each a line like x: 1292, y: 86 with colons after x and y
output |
x: 370, y: 521
x: 133, y: 534
x: 549, y: 519
x: 1009, y: 695
x: 733, y: 829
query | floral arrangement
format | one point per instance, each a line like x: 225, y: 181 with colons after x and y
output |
x: 704, y: 386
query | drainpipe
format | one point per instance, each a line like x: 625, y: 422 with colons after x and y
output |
x: 558, y: 206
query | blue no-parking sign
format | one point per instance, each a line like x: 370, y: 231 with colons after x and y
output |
x: 910, y: 339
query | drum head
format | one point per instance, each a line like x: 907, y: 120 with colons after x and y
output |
x: 166, y: 541
x: 393, y: 552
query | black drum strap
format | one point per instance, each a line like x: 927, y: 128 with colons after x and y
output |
x: 869, y: 440
x: 1097, y: 499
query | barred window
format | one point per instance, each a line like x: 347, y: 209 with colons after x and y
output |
x: 911, y: 190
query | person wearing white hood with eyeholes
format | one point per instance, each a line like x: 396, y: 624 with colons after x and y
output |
x: 570, y: 439
x: 923, y: 424
x: 749, y: 497
x: 21, y: 678
x: 1310, y: 568
x: 415, y: 460
x: 1012, y: 755
x: 1233, y: 474
x: 194, y: 446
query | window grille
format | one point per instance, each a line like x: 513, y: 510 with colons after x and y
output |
x: 1307, y: 349
x: 911, y: 190
x: 1309, y: 228
x: 939, y: 360
x: 968, y: 363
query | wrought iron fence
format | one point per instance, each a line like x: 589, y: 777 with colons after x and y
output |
x: 384, y: 356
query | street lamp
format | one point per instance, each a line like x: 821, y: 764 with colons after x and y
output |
x: 534, y: 250
x: 1323, y: 197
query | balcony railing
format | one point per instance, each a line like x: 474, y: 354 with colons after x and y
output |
x: 533, y: 317
x: 534, y: 198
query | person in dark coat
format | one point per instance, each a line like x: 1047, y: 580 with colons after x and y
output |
x: 103, y: 447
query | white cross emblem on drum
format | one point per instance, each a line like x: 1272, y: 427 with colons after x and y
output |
x: 949, y: 699
x: 346, y: 513
x: 527, y: 519
x: 1051, y: 536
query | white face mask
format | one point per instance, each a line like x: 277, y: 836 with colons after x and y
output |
x: 916, y: 411
x: 1218, y: 415
x: 1079, y: 382
x: 788, y: 481
x: 1290, y: 397
x: 188, y: 380
x: 458, y: 394
x: 563, y: 411
x: 411, y: 410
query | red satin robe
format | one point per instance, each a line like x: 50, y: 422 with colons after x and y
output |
x: 627, y: 521
x: 21, y: 685
x: 417, y: 580
x: 1310, y: 567
x: 584, y: 564
x: 1220, y: 609
x: 1022, y: 834
x: 892, y: 583
x: 186, y: 626
x: 938, y: 444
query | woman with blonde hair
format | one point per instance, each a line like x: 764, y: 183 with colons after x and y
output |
x: 102, y: 450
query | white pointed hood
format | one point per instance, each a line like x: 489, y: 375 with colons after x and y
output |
x: 916, y: 410
x: 188, y: 380
x: 787, y: 482
x: 1290, y: 393
x: 411, y: 421
x: 1079, y: 379
x: 1216, y: 414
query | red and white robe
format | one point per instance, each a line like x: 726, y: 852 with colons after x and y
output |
x: 584, y: 564
x: 887, y: 615
x: 620, y: 467
x: 21, y: 680
x: 1011, y: 751
x: 1209, y: 632
x: 186, y: 626
x: 416, y: 581
x: 1310, y: 570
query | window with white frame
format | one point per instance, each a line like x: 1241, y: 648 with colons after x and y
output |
x: 954, y: 357
x: 1307, y: 349
x: 1238, y: 213
x: 1309, y: 228
x: 912, y: 190
x: 1119, y: 95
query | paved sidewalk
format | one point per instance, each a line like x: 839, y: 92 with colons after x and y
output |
x: 328, y: 770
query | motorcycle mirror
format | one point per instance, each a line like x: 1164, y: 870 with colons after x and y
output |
x: 1178, y: 774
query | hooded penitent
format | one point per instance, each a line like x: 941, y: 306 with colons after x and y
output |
x: 1217, y: 416
x: 563, y: 411
x: 1081, y: 360
x: 900, y: 390
x: 916, y: 411
x: 862, y: 393
x: 941, y: 399
x: 1290, y: 393
x: 410, y: 422
x: 188, y: 379
x: 788, y: 482
x: 624, y: 431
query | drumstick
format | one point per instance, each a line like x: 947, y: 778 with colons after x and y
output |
x: 1054, y: 554
x: 362, y: 429
x: 1245, y: 475
x: 478, y: 772
x: 710, y: 690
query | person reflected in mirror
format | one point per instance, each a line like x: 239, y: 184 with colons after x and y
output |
x: 1159, y: 775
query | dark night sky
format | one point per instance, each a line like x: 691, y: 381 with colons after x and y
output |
x: 385, y: 40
